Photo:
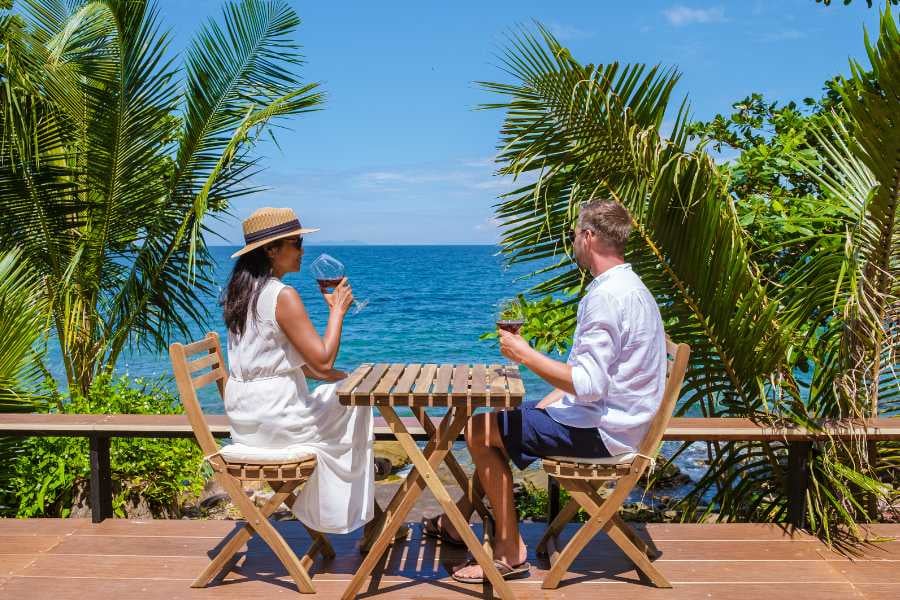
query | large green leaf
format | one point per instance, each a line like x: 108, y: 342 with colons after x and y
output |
x: 111, y: 164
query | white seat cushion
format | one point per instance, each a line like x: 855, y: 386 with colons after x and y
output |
x: 618, y: 459
x: 241, y: 453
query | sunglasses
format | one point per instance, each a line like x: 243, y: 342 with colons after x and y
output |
x: 571, y: 234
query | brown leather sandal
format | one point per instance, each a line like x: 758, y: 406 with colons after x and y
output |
x: 519, y: 571
x: 431, y: 528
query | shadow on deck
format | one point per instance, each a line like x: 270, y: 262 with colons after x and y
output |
x: 57, y: 558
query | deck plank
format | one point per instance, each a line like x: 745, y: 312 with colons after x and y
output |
x: 59, y: 558
x: 401, y: 589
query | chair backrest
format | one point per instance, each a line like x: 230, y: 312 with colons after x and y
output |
x: 211, y: 367
x: 677, y: 357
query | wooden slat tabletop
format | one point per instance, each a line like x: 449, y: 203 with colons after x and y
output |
x: 446, y: 385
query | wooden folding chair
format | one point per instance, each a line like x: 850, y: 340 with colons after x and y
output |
x: 583, y: 478
x: 284, y: 475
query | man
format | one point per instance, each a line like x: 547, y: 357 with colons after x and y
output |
x: 606, y: 393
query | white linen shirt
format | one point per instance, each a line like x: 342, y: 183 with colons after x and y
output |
x: 618, y: 361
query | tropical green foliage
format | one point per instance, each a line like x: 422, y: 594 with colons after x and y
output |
x: 581, y: 131
x: 547, y: 323
x: 48, y: 471
x: 23, y: 317
x: 111, y: 162
x: 846, y: 2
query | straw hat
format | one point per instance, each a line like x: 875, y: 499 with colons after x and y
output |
x: 268, y: 224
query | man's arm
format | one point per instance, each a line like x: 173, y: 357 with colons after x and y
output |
x: 586, y: 374
x: 556, y: 373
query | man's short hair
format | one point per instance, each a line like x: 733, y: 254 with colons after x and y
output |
x: 609, y: 220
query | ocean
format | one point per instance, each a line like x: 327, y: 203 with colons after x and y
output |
x: 425, y: 304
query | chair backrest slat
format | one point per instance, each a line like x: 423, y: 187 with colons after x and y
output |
x: 210, y: 360
x: 677, y: 359
x: 188, y: 386
x: 207, y: 378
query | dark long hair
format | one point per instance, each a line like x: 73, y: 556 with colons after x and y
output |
x: 250, y: 273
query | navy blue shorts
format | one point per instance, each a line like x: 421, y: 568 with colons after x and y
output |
x: 529, y: 433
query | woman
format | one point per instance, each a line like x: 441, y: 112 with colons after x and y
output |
x: 272, y: 348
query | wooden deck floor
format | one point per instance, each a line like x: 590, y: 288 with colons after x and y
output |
x: 49, y: 558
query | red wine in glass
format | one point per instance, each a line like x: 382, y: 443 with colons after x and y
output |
x: 327, y: 285
x: 328, y: 272
x: 510, y: 325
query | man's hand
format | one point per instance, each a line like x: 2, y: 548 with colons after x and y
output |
x: 556, y: 373
x: 550, y: 398
x: 513, y: 346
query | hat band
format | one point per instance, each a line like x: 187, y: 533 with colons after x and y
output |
x: 249, y: 238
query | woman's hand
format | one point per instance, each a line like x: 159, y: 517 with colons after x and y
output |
x: 341, y: 298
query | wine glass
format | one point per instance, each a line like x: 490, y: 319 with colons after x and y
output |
x: 511, y: 317
x: 328, y: 272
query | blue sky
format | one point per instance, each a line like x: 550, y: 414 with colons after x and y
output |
x: 399, y: 155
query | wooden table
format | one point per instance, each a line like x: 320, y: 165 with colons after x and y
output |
x: 459, y: 388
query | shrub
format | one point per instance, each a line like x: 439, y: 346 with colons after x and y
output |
x: 47, y: 471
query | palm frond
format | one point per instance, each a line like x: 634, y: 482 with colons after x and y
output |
x: 584, y: 131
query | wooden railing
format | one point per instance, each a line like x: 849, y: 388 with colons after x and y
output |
x: 99, y: 429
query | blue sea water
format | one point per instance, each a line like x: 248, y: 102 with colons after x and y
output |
x: 425, y: 304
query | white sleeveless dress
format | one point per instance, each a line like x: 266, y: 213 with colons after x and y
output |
x: 270, y: 406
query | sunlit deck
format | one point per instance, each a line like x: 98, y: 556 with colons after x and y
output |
x: 55, y: 558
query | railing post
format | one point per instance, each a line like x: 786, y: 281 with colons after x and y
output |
x: 798, y: 482
x: 553, y: 498
x: 101, y: 479
x: 872, y: 499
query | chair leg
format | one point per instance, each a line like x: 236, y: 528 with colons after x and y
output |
x: 647, y: 547
x: 471, y: 487
x: 273, y: 539
x: 637, y: 556
x: 581, y: 538
x: 602, y: 513
x: 557, y: 525
x: 257, y: 522
x: 228, y: 552
x: 320, y: 542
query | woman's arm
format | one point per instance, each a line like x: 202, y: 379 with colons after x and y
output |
x: 318, y: 352
x: 330, y: 375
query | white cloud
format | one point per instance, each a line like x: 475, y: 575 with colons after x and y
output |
x: 487, y: 161
x: 683, y: 15
x: 566, y: 33
x: 381, y: 178
x: 496, y: 183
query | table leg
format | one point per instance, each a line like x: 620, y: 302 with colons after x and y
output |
x: 409, y: 492
x: 427, y: 469
x: 471, y: 488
